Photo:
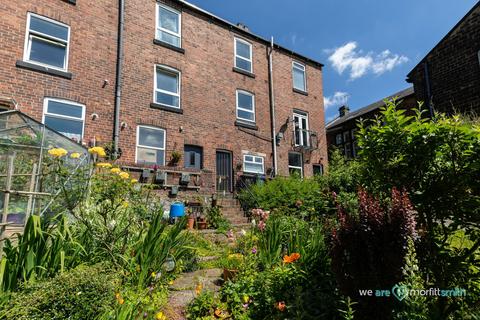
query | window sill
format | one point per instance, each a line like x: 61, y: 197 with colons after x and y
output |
x: 300, y: 92
x: 74, y: 2
x: 166, y: 108
x: 245, y: 73
x: 168, y: 45
x: 42, y: 69
x: 247, y: 125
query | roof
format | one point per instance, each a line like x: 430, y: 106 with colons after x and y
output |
x: 445, y: 37
x: 246, y: 32
x: 374, y: 106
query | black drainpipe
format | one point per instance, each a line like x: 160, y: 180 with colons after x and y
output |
x: 428, y: 89
x: 118, y: 80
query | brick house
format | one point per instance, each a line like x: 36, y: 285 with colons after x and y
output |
x: 196, y: 95
x: 448, y: 77
x: 341, y: 130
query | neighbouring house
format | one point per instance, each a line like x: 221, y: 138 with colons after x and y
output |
x: 447, y: 79
x: 186, y: 96
x: 341, y: 130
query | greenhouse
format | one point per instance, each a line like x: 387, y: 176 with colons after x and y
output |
x: 26, y: 187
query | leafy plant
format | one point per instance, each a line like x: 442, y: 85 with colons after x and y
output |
x: 45, y: 248
x: 201, y: 306
x: 82, y: 293
x: 216, y: 220
x: 369, y: 249
x: 438, y: 163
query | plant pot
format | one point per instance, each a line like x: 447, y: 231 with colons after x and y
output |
x: 202, y: 225
x: 229, y: 274
x: 190, y: 223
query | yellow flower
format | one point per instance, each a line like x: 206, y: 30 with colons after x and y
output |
x: 153, y: 274
x: 75, y: 155
x: 121, y: 301
x: 117, y: 295
x: 104, y: 165
x: 115, y: 170
x: 57, y: 152
x: 245, y: 299
x: 125, y: 204
x: 198, y: 288
x: 170, y: 282
x: 98, y: 151
x: 160, y: 316
x: 134, y: 181
x: 124, y: 175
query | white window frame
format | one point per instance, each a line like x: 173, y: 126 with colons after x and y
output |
x: 47, y: 38
x: 157, y: 23
x: 246, y: 110
x: 148, y: 147
x: 243, y: 58
x: 301, y: 116
x: 302, y: 67
x: 294, y: 167
x: 46, y: 100
x: 253, y: 162
x: 179, y: 85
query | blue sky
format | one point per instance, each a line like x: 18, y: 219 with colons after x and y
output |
x: 367, y: 46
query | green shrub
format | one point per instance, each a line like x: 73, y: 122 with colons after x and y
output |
x: 82, y: 293
x: 202, y: 306
x: 289, y: 196
x: 438, y: 163
x: 216, y: 220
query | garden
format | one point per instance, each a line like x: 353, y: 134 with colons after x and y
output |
x: 393, y: 234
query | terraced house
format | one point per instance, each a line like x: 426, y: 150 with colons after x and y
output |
x: 186, y: 97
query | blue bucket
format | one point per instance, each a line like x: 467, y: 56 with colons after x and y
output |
x: 177, y: 210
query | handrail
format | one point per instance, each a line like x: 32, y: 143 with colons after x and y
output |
x: 246, y: 207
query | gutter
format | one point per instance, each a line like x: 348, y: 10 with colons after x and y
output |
x: 428, y: 89
x: 272, y: 107
x: 118, y: 78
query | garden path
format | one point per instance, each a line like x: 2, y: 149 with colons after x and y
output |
x: 182, y: 291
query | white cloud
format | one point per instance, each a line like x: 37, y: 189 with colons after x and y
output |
x: 348, y: 58
x: 337, y: 99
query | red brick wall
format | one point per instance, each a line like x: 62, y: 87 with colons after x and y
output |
x: 286, y: 100
x: 208, y: 97
x: 92, y: 56
x: 208, y: 90
x: 454, y: 69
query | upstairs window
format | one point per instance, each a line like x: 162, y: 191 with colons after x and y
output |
x: 46, y: 42
x: 169, y: 25
x: 167, y: 87
x: 338, y: 139
x: 193, y: 157
x: 253, y: 164
x: 243, y: 55
x: 299, y: 76
x: 302, y: 137
x: 295, y: 164
x: 245, y: 106
x: 150, y: 146
x: 65, y: 117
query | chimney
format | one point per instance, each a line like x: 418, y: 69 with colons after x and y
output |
x: 343, y: 111
x: 242, y: 26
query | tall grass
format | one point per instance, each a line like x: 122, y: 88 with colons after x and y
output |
x: 45, y: 248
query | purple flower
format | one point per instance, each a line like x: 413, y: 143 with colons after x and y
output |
x: 254, y: 250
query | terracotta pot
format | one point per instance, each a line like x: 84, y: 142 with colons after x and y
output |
x: 202, y: 225
x: 190, y: 223
x: 229, y: 274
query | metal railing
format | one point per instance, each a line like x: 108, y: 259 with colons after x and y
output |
x: 306, y: 139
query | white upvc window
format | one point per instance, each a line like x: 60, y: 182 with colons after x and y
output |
x: 302, y: 137
x: 253, y: 164
x: 46, y: 42
x: 295, y: 163
x: 168, y: 25
x: 299, y: 76
x: 243, y: 55
x: 65, y: 117
x: 167, y: 84
x: 245, y: 106
x: 150, y: 146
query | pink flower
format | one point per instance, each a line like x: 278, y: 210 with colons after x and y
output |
x: 261, y: 225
